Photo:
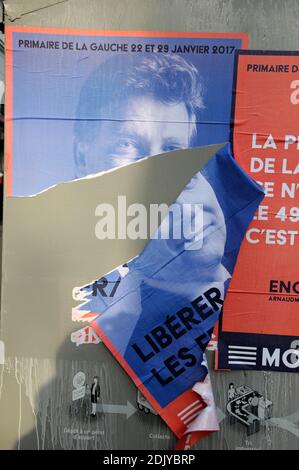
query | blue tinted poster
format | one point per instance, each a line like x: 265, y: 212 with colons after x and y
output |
x: 165, y: 302
x: 84, y: 102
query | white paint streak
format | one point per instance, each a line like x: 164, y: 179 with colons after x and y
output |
x: 20, y: 403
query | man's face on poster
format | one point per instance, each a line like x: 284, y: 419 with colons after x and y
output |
x: 142, y: 126
x: 138, y: 127
x: 209, y: 254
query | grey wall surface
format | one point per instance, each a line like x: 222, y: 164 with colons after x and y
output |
x: 272, y: 24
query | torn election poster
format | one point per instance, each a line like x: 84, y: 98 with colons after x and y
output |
x: 161, y: 316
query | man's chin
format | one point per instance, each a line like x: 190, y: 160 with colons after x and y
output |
x: 209, y: 258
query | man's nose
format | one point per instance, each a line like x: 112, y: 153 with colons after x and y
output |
x: 155, y: 148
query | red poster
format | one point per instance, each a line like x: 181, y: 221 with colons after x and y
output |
x: 260, y: 327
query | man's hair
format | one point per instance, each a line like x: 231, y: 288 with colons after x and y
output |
x: 167, y: 78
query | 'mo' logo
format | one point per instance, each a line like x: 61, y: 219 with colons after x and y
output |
x: 290, y: 358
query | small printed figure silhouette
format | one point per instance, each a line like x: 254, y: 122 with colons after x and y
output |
x: 95, y: 392
x: 231, y: 393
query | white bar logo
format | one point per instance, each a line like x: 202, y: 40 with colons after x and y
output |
x: 189, y: 413
x: 242, y: 355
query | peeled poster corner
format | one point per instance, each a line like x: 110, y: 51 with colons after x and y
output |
x: 162, y: 351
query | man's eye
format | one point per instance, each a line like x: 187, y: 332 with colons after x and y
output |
x: 126, y: 144
x: 172, y: 147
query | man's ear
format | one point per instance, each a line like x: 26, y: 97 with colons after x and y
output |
x: 80, y: 157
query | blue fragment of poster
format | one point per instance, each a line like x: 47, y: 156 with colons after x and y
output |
x: 164, y: 309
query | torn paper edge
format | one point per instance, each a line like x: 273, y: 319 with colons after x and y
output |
x: 111, y: 170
